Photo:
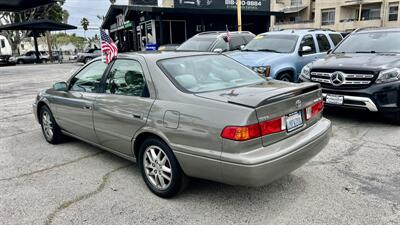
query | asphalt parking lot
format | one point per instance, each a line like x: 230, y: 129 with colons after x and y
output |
x: 355, y: 180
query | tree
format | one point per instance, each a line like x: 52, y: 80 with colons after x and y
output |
x: 52, y: 12
x: 85, y: 24
x: 112, y: 2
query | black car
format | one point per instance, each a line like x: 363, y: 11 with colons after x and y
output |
x: 217, y: 41
x: 363, y: 72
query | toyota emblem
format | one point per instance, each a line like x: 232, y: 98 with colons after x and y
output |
x: 337, y: 78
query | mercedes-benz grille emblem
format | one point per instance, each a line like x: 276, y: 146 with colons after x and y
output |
x: 337, y: 78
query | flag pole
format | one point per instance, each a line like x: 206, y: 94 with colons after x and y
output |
x: 101, y: 46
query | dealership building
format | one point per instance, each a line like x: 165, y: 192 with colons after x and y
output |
x: 161, y: 22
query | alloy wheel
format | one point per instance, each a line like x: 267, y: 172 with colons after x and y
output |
x: 47, y: 125
x: 157, y: 167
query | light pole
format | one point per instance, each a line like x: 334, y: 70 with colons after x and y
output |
x: 239, y: 14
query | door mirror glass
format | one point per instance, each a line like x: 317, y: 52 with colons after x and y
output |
x: 60, y: 86
x: 306, y: 49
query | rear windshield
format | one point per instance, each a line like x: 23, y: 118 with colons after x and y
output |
x: 208, y: 73
x: 371, y: 42
x: 273, y: 42
x: 201, y: 44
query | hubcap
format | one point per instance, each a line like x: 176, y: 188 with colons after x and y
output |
x: 157, y: 167
x: 47, y: 125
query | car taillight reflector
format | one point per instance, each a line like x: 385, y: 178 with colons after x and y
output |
x: 244, y: 133
x: 314, y: 109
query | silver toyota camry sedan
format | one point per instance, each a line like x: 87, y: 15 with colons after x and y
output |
x: 182, y: 114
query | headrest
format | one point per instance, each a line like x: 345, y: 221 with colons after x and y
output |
x: 187, y: 81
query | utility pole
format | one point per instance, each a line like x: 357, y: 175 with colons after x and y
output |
x: 239, y: 14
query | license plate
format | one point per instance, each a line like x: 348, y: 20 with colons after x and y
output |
x: 334, y: 99
x: 294, y: 121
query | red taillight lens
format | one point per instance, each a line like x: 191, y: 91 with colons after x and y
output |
x: 241, y: 133
x: 245, y: 133
x: 272, y: 126
x: 314, y: 109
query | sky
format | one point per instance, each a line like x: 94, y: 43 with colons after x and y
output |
x: 89, y: 9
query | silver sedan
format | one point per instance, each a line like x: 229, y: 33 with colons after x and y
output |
x: 184, y: 114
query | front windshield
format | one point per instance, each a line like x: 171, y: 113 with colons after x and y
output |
x: 281, y: 43
x: 201, y: 44
x: 208, y: 73
x: 371, y: 42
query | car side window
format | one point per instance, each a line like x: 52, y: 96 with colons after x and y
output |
x: 126, y: 77
x: 323, y: 43
x: 336, y: 38
x: 88, y: 79
x: 221, y: 44
x: 308, y: 40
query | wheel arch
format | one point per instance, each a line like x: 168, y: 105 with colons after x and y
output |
x: 40, y: 105
x: 290, y: 71
x: 143, y: 135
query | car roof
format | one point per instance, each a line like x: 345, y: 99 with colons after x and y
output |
x: 377, y: 29
x: 300, y: 31
x: 215, y: 34
x: 159, y: 55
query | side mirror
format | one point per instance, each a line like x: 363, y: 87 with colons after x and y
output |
x: 218, y: 50
x: 60, y: 86
x: 242, y: 47
x: 305, y: 49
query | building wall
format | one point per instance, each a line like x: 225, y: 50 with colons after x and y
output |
x: 346, y: 14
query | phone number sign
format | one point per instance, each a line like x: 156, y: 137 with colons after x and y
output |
x: 249, y: 5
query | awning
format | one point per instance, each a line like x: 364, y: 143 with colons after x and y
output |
x: 38, y: 25
x: 293, y: 9
x: 114, y: 10
x: 19, y: 5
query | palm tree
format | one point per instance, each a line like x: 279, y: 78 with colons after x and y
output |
x: 113, y: 2
x: 85, y: 24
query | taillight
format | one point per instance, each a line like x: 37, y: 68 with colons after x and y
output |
x: 273, y: 126
x: 244, y: 133
x: 241, y: 133
x: 313, y: 110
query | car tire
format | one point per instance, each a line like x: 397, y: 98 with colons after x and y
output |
x: 51, y: 131
x: 43, y: 61
x: 160, y: 170
x: 285, y: 77
x: 86, y: 60
x: 20, y: 61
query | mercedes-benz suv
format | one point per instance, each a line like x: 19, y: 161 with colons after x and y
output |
x: 362, y: 72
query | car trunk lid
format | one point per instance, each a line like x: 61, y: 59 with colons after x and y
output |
x: 272, y: 100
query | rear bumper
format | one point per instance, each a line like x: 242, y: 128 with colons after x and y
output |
x: 278, y: 159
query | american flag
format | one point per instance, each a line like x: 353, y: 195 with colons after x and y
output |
x: 108, y: 47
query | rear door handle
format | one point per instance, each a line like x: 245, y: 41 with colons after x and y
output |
x: 138, y: 115
x: 88, y: 107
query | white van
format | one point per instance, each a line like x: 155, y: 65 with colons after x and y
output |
x: 5, y: 50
